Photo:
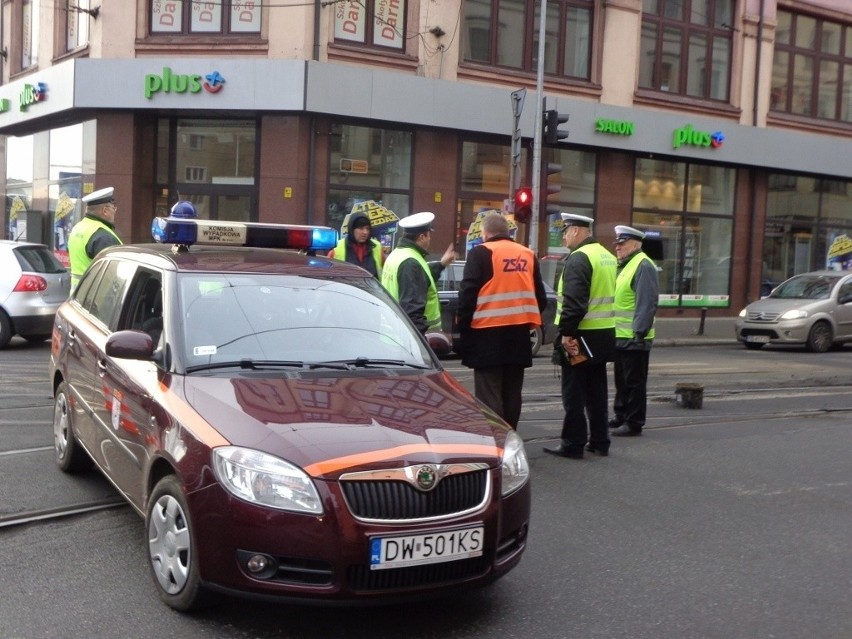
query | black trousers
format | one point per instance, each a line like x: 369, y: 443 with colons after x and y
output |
x: 631, y: 387
x: 499, y: 388
x: 584, y: 393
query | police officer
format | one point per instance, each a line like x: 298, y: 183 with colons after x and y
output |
x: 410, y: 279
x: 92, y: 234
x: 500, y: 298
x: 586, y: 326
x: 357, y: 247
x: 636, y: 296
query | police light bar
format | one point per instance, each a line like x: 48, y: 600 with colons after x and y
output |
x: 186, y: 232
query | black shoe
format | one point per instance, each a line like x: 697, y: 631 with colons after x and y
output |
x: 565, y: 451
x: 625, y: 431
x: 615, y: 423
x: 603, y: 452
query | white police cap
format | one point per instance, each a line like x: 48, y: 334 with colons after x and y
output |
x: 417, y: 223
x: 574, y: 219
x: 102, y: 196
x: 624, y: 233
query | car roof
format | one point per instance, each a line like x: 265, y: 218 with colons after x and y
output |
x: 14, y: 243
x: 237, y: 259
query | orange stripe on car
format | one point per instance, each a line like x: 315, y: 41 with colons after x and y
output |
x: 349, y: 461
x: 189, y: 419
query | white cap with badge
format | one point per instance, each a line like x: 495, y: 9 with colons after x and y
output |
x: 417, y: 223
x: 575, y: 219
x: 102, y: 196
x: 624, y: 233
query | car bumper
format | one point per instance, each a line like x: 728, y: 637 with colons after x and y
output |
x: 34, y: 324
x: 326, y: 558
x: 786, y: 332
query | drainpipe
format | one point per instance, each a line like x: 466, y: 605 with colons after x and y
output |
x: 750, y: 254
x: 312, y: 121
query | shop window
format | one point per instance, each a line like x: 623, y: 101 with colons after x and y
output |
x: 812, y: 68
x: 206, y: 17
x: 369, y: 167
x: 30, y: 20
x: 808, y: 221
x: 687, y: 212
x: 505, y: 33
x: 686, y: 47
x: 377, y: 23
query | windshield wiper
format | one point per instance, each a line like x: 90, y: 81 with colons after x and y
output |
x: 366, y: 362
x: 246, y: 363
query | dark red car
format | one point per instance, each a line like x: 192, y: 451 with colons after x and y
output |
x: 280, y: 424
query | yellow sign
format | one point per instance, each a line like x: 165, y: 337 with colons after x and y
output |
x: 380, y: 217
x: 17, y: 207
x: 64, y: 205
x: 840, y: 246
x: 474, y: 232
x: 288, y: 192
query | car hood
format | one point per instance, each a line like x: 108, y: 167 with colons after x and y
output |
x: 329, y: 425
x: 778, y: 306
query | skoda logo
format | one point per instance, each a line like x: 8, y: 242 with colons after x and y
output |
x: 426, y: 477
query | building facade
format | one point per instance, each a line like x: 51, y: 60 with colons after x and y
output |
x: 721, y: 127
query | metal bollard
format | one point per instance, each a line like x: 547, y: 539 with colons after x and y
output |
x: 701, y: 324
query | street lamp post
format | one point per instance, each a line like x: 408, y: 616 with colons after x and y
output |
x: 539, y: 109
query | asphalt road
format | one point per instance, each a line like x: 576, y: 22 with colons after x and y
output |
x: 729, y: 521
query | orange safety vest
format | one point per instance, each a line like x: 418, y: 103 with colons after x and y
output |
x: 508, y: 298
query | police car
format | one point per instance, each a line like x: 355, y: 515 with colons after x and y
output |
x: 278, y: 422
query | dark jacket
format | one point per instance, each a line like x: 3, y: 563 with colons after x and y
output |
x: 497, y: 346
x: 576, y: 284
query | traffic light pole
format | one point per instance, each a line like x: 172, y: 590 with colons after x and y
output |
x: 539, y: 114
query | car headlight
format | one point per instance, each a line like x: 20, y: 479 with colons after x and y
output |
x: 794, y: 314
x: 743, y: 312
x: 265, y: 480
x: 515, y: 467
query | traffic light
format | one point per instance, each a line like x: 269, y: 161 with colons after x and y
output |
x: 552, y: 186
x: 523, y: 205
x: 552, y: 120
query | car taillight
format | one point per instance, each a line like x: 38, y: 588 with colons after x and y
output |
x: 30, y: 284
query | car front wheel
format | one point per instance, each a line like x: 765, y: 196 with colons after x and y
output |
x: 820, y: 338
x: 536, y: 338
x: 171, y: 547
x: 70, y: 456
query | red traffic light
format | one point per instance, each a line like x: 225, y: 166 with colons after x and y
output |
x: 523, y: 204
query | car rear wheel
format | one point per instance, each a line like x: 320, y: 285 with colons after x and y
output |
x: 70, y: 456
x: 820, y: 338
x: 536, y: 338
x: 172, y: 556
x: 6, y: 330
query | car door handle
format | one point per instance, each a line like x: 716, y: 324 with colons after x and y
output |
x: 102, y: 368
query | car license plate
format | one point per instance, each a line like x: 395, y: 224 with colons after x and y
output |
x: 428, y: 548
x: 758, y: 339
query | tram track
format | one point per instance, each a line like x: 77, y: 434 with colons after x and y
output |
x: 46, y: 514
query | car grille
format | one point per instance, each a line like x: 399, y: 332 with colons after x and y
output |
x: 371, y: 496
x: 762, y: 316
x: 362, y: 578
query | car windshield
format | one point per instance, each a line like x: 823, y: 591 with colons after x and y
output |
x: 277, y: 320
x: 806, y: 287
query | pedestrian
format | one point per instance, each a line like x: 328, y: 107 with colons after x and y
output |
x: 92, y: 234
x: 501, y: 297
x: 637, y: 291
x: 586, y: 332
x: 410, y: 279
x: 359, y: 247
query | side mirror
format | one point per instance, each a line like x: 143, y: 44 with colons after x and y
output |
x: 131, y: 345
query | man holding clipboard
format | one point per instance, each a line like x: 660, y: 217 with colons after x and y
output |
x: 586, y: 321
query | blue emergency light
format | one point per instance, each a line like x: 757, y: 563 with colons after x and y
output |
x: 186, y: 232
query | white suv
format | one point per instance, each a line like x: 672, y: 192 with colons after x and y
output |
x: 33, y: 283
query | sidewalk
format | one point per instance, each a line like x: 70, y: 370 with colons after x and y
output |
x: 688, y: 331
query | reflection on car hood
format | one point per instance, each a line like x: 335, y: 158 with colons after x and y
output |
x: 773, y: 305
x: 329, y: 425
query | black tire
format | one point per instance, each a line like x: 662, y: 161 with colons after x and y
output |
x: 536, y: 338
x: 820, y: 337
x: 172, y: 555
x: 69, y: 454
x: 753, y: 346
x: 6, y: 330
x: 36, y: 339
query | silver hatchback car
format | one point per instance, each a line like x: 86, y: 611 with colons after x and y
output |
x: 814, y: 309
x: 33, y: 283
